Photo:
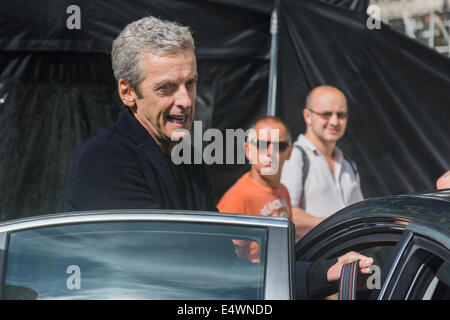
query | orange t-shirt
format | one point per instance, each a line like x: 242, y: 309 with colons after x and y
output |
x: 250, y: 197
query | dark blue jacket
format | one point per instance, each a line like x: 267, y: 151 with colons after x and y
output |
x: 123, y: 168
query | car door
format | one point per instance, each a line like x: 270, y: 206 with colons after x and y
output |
x: 420, y: 270
x: 408, y: 262
x: 376, y: 237
x: 139, y: 256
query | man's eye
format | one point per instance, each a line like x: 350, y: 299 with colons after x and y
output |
x: 166, y: 89
x: 191, y: 83
x: 327, y: 114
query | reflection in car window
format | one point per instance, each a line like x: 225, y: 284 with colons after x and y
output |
x: 381, y: 255
x: 439, y: 287
x: 133, y: 260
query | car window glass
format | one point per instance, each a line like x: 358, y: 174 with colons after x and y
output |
x: 438, y: 289
x: 430, y: 278
x: 380, y: 255
x: 422, y: 272
x: 134, y: 260
x: 371, y: 284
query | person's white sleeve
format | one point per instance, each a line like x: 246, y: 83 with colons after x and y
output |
x: 292, y: 176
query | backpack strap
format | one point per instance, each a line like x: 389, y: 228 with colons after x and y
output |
x: 352, y: 165
x: 305, y: 168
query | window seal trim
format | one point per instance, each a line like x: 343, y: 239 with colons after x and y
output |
x: 3, y: 254
x: 144, y: 215
x: 406, y: 242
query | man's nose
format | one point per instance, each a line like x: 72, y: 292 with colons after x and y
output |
x: 183, y: 98
x: 334, y: 120
x: 272, y: 149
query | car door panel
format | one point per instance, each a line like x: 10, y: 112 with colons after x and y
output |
x: 133, y: 260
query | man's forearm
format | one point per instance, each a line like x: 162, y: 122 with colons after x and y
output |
x: 304, y: 222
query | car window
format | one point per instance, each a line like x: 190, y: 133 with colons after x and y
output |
x: 380, y: 255
x: 379, y: 246
x: 421, y: 272
x: 438, y: 289
x: 371, y: 284
x: 134, y: 260
x: 431, y: 279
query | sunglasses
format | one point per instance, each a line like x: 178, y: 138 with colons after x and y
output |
x: 328, y: 115
x: 263, y: 145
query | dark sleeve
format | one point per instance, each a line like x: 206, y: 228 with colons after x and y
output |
x: 208, y: 188
x: 317, y: 283
x: 210, y: 196
x: 105, y: 176
x: 301, y: 283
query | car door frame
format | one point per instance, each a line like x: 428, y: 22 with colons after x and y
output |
x: 3, y: 255
x: 406, y: 269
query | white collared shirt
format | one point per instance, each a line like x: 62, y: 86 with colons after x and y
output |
x: 324, y: 192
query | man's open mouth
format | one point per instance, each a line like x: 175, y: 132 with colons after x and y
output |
x: 177, y: 119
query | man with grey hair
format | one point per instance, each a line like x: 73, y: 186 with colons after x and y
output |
x: 128, y: 164
x: 319, y: 178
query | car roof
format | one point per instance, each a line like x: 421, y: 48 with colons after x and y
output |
x: 427, y: 213
x: 142, y: 215
x: 431, y: 208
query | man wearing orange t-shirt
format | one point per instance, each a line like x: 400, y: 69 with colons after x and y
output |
x: 259, y: 191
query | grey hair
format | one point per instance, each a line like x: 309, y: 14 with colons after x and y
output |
x: 146, y: 35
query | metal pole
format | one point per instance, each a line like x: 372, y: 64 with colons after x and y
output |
x: 271, y: 101
x: 431, y: 30
x: 407, y: 23
x: 446, y: 15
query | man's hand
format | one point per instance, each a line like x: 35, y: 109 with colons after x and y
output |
x: 334, y: 273
x: 444, y: 181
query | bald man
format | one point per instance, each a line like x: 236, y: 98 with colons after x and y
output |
x: 319, y: 178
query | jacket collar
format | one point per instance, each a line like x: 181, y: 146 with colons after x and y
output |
x: 135, y: 132
x: 131, y: 128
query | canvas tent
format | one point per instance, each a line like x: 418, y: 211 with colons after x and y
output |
x: 57, y: 88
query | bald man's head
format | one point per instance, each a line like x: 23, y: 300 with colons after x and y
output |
x: 325, y: 115
x: 319, y: 93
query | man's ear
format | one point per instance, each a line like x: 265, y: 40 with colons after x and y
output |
x: 126, y: 93
x: 307, y: 116
x: 251, y: 153
x: 247, y: 150
x: 289, y: 152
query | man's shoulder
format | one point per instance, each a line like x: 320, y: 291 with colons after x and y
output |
x: 106, y: 144
x: 237, y: 192
x: 239, y: 188
x: 283, y: 188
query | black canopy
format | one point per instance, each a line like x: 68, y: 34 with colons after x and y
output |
x: 57, y: 88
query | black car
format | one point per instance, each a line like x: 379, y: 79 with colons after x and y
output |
x: 407, y: 235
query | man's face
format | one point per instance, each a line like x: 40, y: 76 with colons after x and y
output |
x: 168, y: 93
x: 326, y: 118
x: 267, y: 159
